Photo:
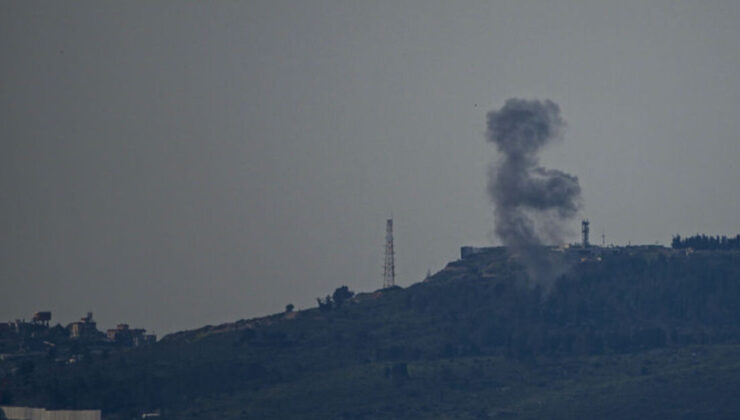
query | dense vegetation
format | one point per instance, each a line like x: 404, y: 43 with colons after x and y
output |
x: 706, y: 242
x: 635, y: 332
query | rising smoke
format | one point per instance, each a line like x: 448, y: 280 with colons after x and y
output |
x: 531, y: 204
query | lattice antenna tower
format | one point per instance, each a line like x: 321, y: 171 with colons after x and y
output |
x: 389, y: 268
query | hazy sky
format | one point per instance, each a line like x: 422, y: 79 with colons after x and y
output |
x: 176, y: 164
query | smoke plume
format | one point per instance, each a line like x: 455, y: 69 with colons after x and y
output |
x: 531, y: 203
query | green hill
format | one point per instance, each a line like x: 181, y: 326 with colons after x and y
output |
x: 625, y: 333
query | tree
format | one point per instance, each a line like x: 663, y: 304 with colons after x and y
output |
x: 342, y: 294
x: 289, y: 307
x: 326, y: 305
x: 676, y: 242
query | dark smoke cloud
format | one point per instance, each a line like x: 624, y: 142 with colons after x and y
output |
x: 531, y: 203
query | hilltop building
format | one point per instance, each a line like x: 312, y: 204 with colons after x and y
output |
x: 125, y: 336
x: 467, y: 251
x: 42, y: 318
x: 39, y: 323
x: 84, y: 328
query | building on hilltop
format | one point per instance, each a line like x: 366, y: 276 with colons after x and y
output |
x: 42, y: 318
x: 125, y: 336
x: 84, y: 328
x: 39, y: 324
x: 467, y: 251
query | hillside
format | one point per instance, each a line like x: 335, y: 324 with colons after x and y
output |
x: 632, y: 332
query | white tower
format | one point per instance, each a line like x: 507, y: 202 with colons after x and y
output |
x: 389, y: 268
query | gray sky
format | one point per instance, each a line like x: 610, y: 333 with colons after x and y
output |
x: 176, y: 164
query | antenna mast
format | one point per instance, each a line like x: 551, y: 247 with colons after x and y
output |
x: 389, y: 268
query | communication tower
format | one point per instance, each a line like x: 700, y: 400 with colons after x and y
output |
x: 389, y: 268
x: 584, y: 233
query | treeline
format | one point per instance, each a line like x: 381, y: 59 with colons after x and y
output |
x: 706, y: 242
x: 340, y: 295
x: 623, y: 303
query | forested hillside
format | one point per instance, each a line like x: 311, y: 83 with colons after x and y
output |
x: 629, y: 333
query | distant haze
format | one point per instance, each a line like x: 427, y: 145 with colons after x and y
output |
x: 176, y: 164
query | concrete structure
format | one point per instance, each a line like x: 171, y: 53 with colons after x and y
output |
x: 467, y: 251
x: 26, y: 329
x: 584, y: 233
x: 42, y: 318
x: 126, y: 336
x: 28, y: 413
x: 84, y: 328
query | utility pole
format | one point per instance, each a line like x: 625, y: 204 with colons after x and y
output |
x: 389, y: 268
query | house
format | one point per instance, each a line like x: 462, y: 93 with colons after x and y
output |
x: 84, y: 328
